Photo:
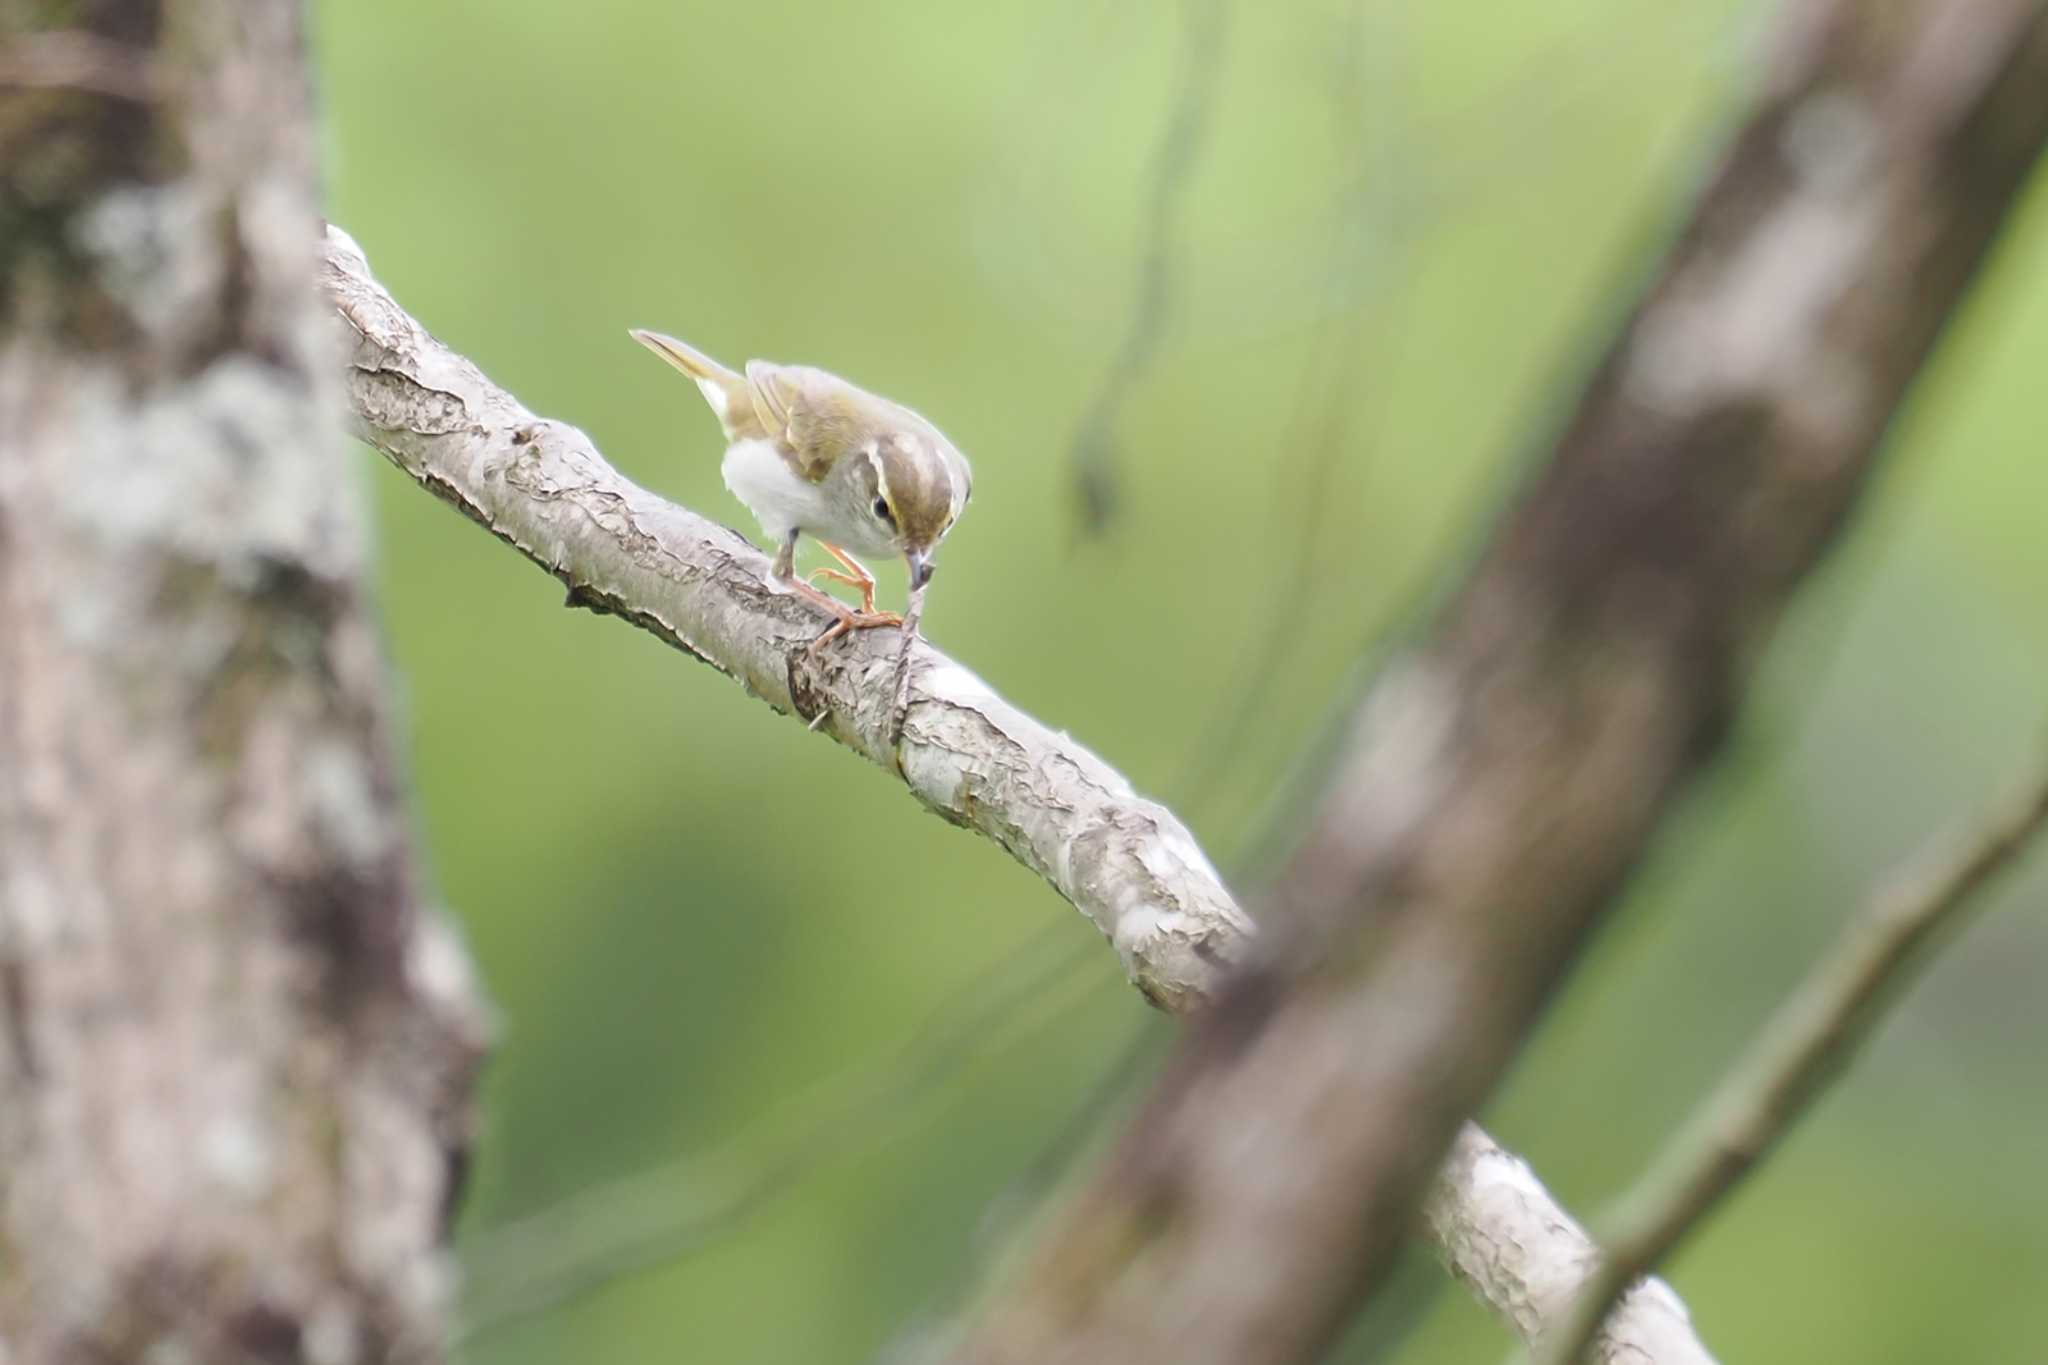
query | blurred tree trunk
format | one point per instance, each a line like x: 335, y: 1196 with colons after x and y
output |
x: 235, y: 1050
x: 1503, y: 777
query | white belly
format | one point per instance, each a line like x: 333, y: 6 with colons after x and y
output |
x: 763, y: 480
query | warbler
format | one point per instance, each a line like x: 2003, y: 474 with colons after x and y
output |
x: 811, y: 454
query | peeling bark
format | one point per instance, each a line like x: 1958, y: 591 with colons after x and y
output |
x: 236, y: 1062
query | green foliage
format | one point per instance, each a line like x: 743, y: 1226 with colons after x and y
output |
x: 1406, y: 231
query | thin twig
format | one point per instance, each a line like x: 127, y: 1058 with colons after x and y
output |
x: 1380, y: 215
x: 1813, y: 1037
x: 642, y: 1222
x: 1023, y: 1196
x: 1180, y: 145
x: 1318, y: 433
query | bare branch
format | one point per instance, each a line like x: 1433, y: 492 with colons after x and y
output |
x: 1502, y: 1230
x: 1501, y: 782
x: 1124, y: 862
x: 1813, y: 1037
x: 605, y: 1233
x: 1094, y: 452
x: 542, y: 487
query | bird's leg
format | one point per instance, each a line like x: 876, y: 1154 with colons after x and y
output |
x: 856, y: 576
x: 784, y: 567
x: 846, y: 619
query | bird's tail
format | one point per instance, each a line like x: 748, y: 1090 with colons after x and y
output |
x: 725, y: 390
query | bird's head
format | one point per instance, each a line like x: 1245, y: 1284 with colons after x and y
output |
x: 909, y: 490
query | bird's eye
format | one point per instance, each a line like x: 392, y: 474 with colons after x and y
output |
x: 882, y: 511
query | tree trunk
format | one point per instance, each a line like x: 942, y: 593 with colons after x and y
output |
x: 236, y: 1050
x: 1502, y: 778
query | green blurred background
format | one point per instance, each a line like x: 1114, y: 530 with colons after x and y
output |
x: 1406, y: 232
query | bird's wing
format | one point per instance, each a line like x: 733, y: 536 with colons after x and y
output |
x: 812, y: 415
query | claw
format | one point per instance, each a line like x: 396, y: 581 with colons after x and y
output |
x: 865, y: 585
x: 845, y: 619
x: 850, y: 621
x: 856, y: 576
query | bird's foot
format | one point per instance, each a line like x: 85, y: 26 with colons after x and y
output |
x: 850, y: 621
x: 865, y: 585
x: 856, y: 575
x: 845, y: 621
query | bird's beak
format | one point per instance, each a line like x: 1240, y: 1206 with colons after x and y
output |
x: 921, y: 567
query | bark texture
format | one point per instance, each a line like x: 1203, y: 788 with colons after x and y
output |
x: 235, y: 1049
x: 1503, y: 778
x: 1504, y: 1231
x: 1124, y: 862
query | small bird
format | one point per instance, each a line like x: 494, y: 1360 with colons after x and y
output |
x: 808, y: 452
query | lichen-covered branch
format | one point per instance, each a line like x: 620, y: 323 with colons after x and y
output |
x: 1503, y: 778
x: 236, y: 1047
x: 541, y: 486
x: 1126, y: 863
x: 1811, y: 1039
